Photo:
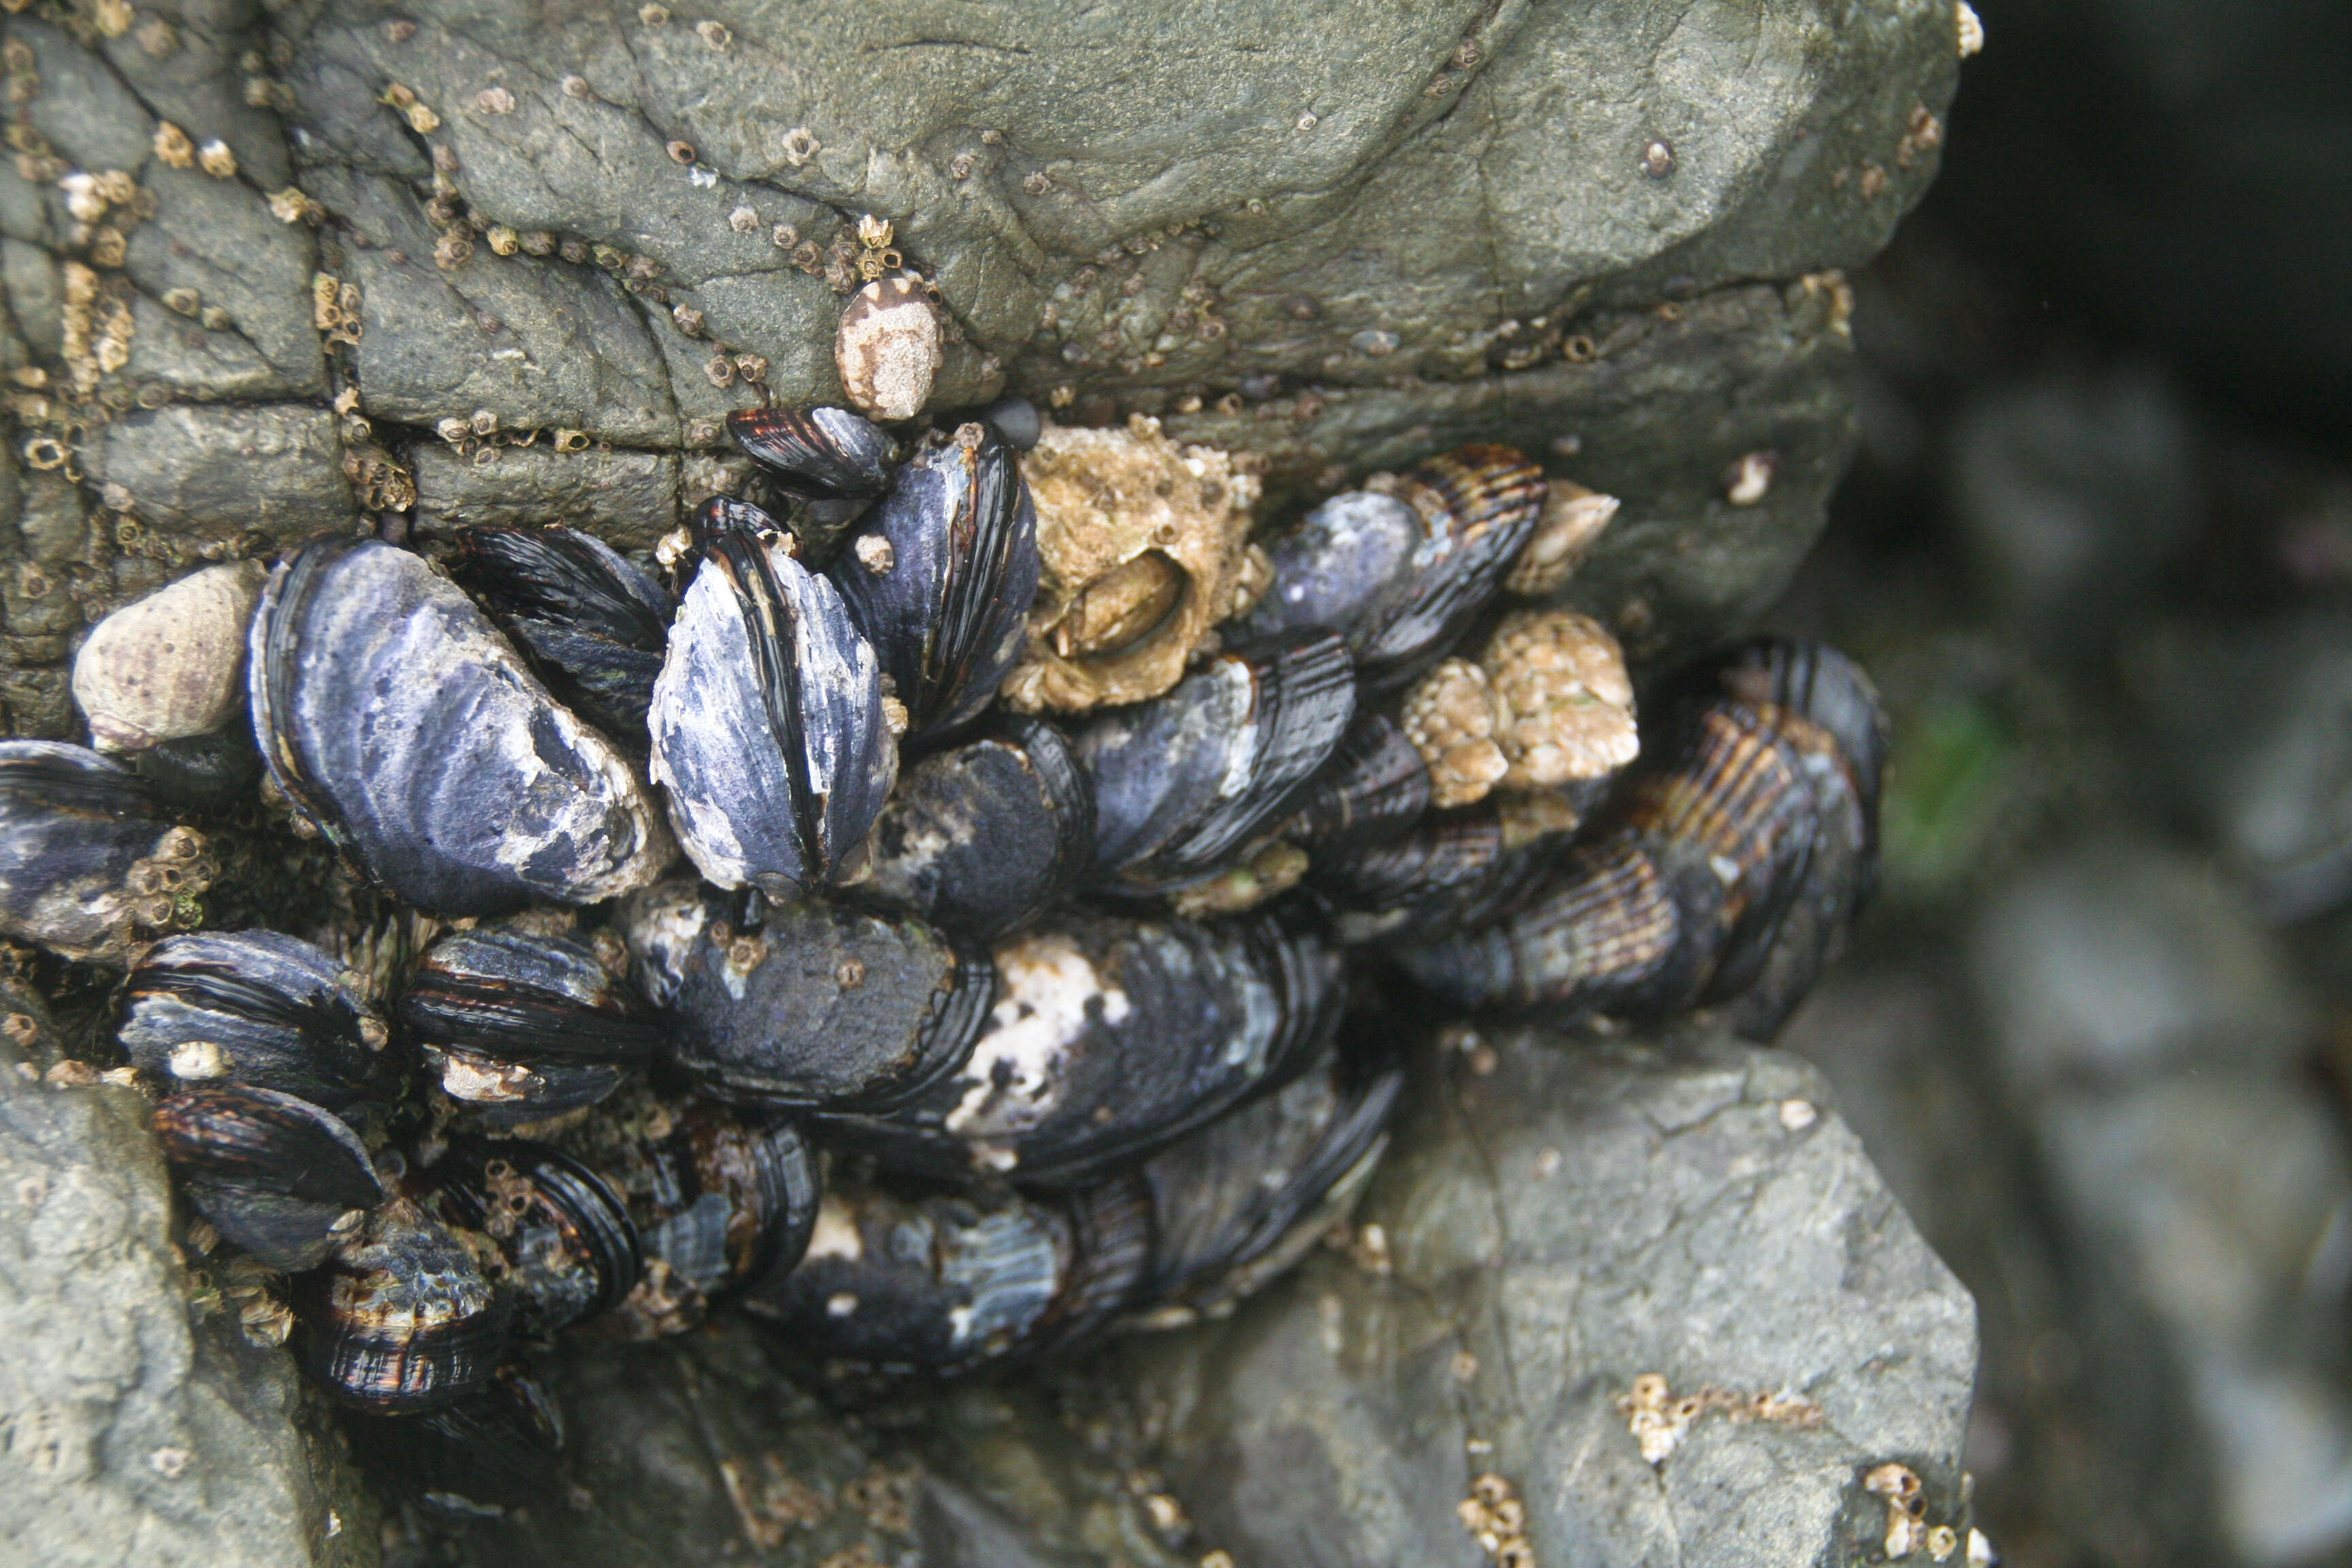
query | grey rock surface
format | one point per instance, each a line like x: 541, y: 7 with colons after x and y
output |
x: 135, y: 1428
x: 1575, y: 1217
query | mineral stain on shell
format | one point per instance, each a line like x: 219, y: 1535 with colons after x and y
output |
x: 277, y: 1175
x: 88, y: 861
x: 255, y: 1007
x: 168, y: 665
x: 940, y: 576
x: 887, y: 348
x: 525, y: 1025
x: 810, y: 1005
x: 767, y: 721
x: 393, y: 717
x: 593, y: 625
x: 405, y: 1319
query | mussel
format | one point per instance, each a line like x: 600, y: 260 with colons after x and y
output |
x: 522, y: 1025
x: 805, y: 1003
x: 1452, y: 869
x: 819, y: 453
x: 944, y: 1282
x: 1402, y: 576
x: 1181, y: 782
x: 1374, y: 787
x: 255, y: 1007
x: 767, y: 721
x: 403, y: 1320
x: 87, y: 860
x: 1109, y: 1037
x: 982, y: 836
x: 940, y: 576
x: 281, y: 1177
x: 395, y: 718
x: 498, y: 1446
x: 569, y: 1251
x: 1756, y: 807
x: 593, y: 625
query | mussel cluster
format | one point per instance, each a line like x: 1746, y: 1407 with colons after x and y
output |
x: 965, y: 1032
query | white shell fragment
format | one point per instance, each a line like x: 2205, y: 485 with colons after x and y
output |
x: 167, y: 666
x: 888, y: 348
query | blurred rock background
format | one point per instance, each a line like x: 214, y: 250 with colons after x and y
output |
x: 2097, y: 549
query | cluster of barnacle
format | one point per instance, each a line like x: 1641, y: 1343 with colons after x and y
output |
x: 1030, y: 834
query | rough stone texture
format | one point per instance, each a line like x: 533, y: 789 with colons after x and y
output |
x: 133, y: 1428
x: 262, y: 476
x: 629, y: 499
x: 1579, y: 1215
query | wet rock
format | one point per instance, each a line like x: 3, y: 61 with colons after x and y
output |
x: 271, y: 472
x: 628, y: 499
x: 138, y: 1429
x: 1559, y: 1224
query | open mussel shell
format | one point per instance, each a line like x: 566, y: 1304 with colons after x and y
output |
x: 767, y: 721
x: 396, y: 718
x: 277, y: 1175
x: 525, y: 1025
x: 982, y: 836
x: 571, y: 1251
x: 405, y: 1319
x: 1374, y: 787
x: 593, y: 625
x: 944, y: 1282
x: 259, y: 1008
x: 1109, y: 1037
x: 1181, y: 782
x: 1403, y: 576
x: 806, y: 1004
x: 87, y: 859
x: 940, y: 576
x: 1243, y: 1199
x: 499, y: 1446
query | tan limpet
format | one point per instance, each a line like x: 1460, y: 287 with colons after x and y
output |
x: 1573, y: 517
x: 168, y: 665
x: 1564, y: 698
x: 1145, y: 547
x: 1451, y: 717
x: 888, y: 348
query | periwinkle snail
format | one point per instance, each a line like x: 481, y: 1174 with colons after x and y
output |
x: 899, y: 868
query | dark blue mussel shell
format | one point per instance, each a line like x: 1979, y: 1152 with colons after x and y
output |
x: 592, y: 624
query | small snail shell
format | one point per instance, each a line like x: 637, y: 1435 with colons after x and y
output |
x: 167, y: 666
x: 888, y: 348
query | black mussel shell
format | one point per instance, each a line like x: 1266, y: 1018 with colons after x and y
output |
x: 809, y: 1005
x: 593, y: 625
x: 571, y: 1251
x: 1374, y: 787
x: 1182, y: 783
x: 258, y: 1008
x: 1245, y: 1197
x: 277, y: 1175
x: 944, y: 1283
x: 200, y: 772
x: 767, y: 721
x: 818, y: 453
x: 396, y: 718
x: 87, y: 854
x: 526, y: 1025
x: 1403, y: 576
x: 940, y: 576
x: 500, y: 1446
x: 984, y: 836
x: 724, y: 515
x: 1109, y: 1037
x: 405, y: 1319
x: 1452, y: 870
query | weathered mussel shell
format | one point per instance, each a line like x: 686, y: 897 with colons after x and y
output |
x: 522, y: 1025
x: 983, y: 837
x: 1244, y: 1198
x: 1403, y: 577
x: 259, y: 1008
x: 719, y: 1199
x: 1751, y: 812
x: 278, y: 1177
x: 767, y: 721
x: 499, y: 1446
x: 167, y: 667
x: 405, y: 1319
x: 1374, y: 787
x: 940, y: 576
x: 393, y: 717
x: 805, y: 1003
x: 945, y: 1283
x: 593, y: 625
x: 570, y: 1250
x: 1181, y: 782
x: 1109, y: 1037
x: 87, y: 859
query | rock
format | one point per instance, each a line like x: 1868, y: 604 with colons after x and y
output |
x: 139, y: 1430
x: 1547, y: 1236
x: 271, y: 474
x: 628, y: 499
